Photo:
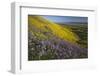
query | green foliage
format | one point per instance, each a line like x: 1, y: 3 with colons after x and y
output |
x: 82, y: 33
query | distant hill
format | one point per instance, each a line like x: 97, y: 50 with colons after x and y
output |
x: 74, y: 23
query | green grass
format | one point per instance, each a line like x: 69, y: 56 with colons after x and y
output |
x: 82, y: 32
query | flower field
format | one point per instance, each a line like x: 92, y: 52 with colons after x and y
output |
x: 49, y: 40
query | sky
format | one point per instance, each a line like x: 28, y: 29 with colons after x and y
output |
x: 66, y: 19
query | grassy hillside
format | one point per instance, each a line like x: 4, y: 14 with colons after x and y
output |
x: 49, y: 40
x: 81, y: 31
x: 46, y: 26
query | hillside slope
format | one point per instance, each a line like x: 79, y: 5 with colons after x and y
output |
x: 47, y: 26
x: 48, y: 40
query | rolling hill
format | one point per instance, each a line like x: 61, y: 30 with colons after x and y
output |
x: 48, y: 40
x: 44, y: 25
